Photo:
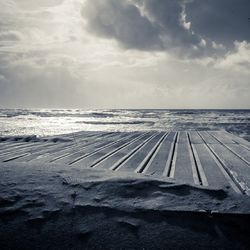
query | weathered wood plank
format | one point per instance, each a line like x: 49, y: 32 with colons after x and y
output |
x: 214, y: 174
x: 222, y: 136
x: 240, y: 140
x: 183, y: 165
x: 5, y: 144
x: 88, y: 161
x: 34, y: 153
x: 111, y: 153
x: 151, y: 155
x: 216, y: 159
x: 24, y: 148
x: 54, y: 155
x: 134, y: 161
x: 237, y: 168
x: 25, y: 151
x: 76, y: 147
x: 195, y: 138
x: 118, y: 164
x: 16, y: 146
x: 112, y: 161
x: 240, y: 151
x: 73, y: 158
x: 158, y: 164
x: 208, y: 138
x: 197, y: 167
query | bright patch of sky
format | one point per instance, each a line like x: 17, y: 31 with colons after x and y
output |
x: 123, y: 54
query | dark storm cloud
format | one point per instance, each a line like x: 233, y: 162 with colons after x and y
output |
x: 167, y: 15
x: 122, y: 21
x: 159, y: 28
x: 192, y: 27
x: 223, y: 21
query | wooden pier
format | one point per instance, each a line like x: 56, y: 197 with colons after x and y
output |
x: 215, y: 159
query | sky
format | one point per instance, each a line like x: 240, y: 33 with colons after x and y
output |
x: 94, y: 54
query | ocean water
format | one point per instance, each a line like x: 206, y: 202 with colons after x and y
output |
x: 46, y: 122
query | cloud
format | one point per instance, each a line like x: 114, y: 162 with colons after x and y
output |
x: 142, y: 24
x: 56, y: 80
x: 122, y: 21
x: 116, y: 54
x: 222, y: 21
x: 31, y: 4
x: 10, y: 36
x: 236, y: 60
x: 186, y: 27
x: 31, y: 85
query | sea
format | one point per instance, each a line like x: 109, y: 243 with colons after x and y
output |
x: 50, y: 122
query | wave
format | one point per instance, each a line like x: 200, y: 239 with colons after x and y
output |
x: 148, y: 123
x: 61, y: 121
x: 34, y: 138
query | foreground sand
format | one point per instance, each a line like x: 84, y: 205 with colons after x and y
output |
x: 62, y: 207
